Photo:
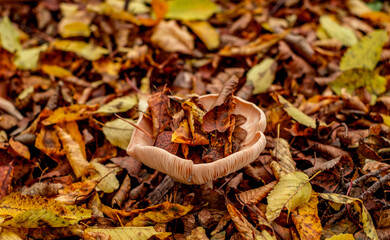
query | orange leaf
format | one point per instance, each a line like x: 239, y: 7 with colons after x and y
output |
x: 19, y: 149
x: 68, y: 114
x: 47, y: 141
x: 182, y: 134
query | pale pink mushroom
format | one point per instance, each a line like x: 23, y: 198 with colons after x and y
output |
x: 184, y: 170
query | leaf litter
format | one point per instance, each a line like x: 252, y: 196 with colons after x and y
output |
x: 319, y: 70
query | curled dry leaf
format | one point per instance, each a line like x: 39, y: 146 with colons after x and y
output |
x: 185, y: 171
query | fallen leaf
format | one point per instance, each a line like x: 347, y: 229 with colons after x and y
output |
x: 75, y: 153
x: 75, y: 23
x: 27, y: 59
x: 171, y: 38
x: 336, y: 31
x: 244, y: 227
x: 283, y: 154
x: 56, y: 71
x: 191, y: 10
x: 343, y: 236
x: 107, y: 181
x: 77, y: 191
x: 358, y: 7
x: 118, y: 132
x: 257, y: 194
x: 85, y: 50
x: 6, y: 177
x: 293, y: 190
x: 121, y: 104
x: 20, y: 149
x: 114, y: 12
x: 197, y: 234
x: 306, y: 219
x: 68, y: 114
x: 206, y: 32
x: 35, y: 211
x: 262, y: 75
x: 366, y: 53
x: 365, y: 218
x: 139, y: 233
x: 9, y: 36
x: 48, y: 142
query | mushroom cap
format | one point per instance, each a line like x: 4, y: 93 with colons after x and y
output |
x: 184, y: 170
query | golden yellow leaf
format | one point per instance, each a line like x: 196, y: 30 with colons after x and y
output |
x: 107, y: 181
x: 139, y: 233
x: 10, y: 234
x: 32, y: 211
x: 161, y: 213
x: 206, y: 33
x: 85, y: 50
x: 306, y: 219
x: 292, y: 190
x: 56, y: 71
x: 75, y: 23
x: 365, y: 218
x: 342, y: 237
x: 68, y: 114
x: 191, y: 10
x: 75, y: 152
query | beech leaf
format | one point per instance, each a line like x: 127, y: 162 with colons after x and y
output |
x: 191, y: 10
x: 292, y: 190
x: 262, y: 75
x: 107, y: 181
x: 118, y: 132
x: 206, y: 33
x: 366, y: 53
x: 336, y: 31
x: 121, y: 104
x: 296, y: 114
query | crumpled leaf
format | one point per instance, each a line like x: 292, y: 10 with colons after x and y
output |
x: 306, y: 219
x: 118, y: 132
x: 336, y: 31
x: 262, y: 75
x: 171, y: 38
x: 296, y: 114
x: 9, y: 36
x: 121, y: 104
x: 56, y: 71
x: 206, y: 33
x: 360, y: 77
x: 365, y: 218
x: 75, y: 152
x: 161, y: 213
x: 293, y: 190
x: 107, y: 181
x: 32, y: 211
x: 85, y: 50
x: 366, y: 53
x: 27, y: 59
x: 75, y: 23
x: 191, y: 10
x: 139, y: 233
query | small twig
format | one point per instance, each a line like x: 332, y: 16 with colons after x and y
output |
x: 374, y: 187
x: 135, y: 125
x: 366, y: 176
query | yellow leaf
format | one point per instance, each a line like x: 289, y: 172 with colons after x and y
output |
x: 105, y: 66
x: 118, y: 132
x: 336, y: 31
x: 191, y: 10
x: 161, y: 213
x: 113, y: 12
x: 27, y: 59
x: 121, y: 104
x: 292, y: 190
x: 85, y: 50
x: 107, y: 181
x: 206, y: 33
x: 359, y: 77
x: 358, y: 7
x: 75, y: 23
x: 262, y: 75
x: 11, y: 234
x: 386, y: 119
x: 30, y: 211
x: 296, y: 114
x: 74, y: 152
x: 139, y: 233
x: 342, y: 237
x: 171, y: 38
x: 56, y: 71
x: 68, y: 114
x: 306, y: 219
x: 366, y: 53
x: 365, y: 218
x: 9, y: 36
x: 283, y: 154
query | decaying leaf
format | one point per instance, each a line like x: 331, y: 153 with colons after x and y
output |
x: 107, y: 181
x: 36, y: 211
x: 257, y: 194
x: 283, y: 154
x: 141, y: 233
x: 293, y: 190
x: 262, y: 75
x: 68, y: 114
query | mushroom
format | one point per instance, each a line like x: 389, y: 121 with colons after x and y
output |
x: 184, y: 170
